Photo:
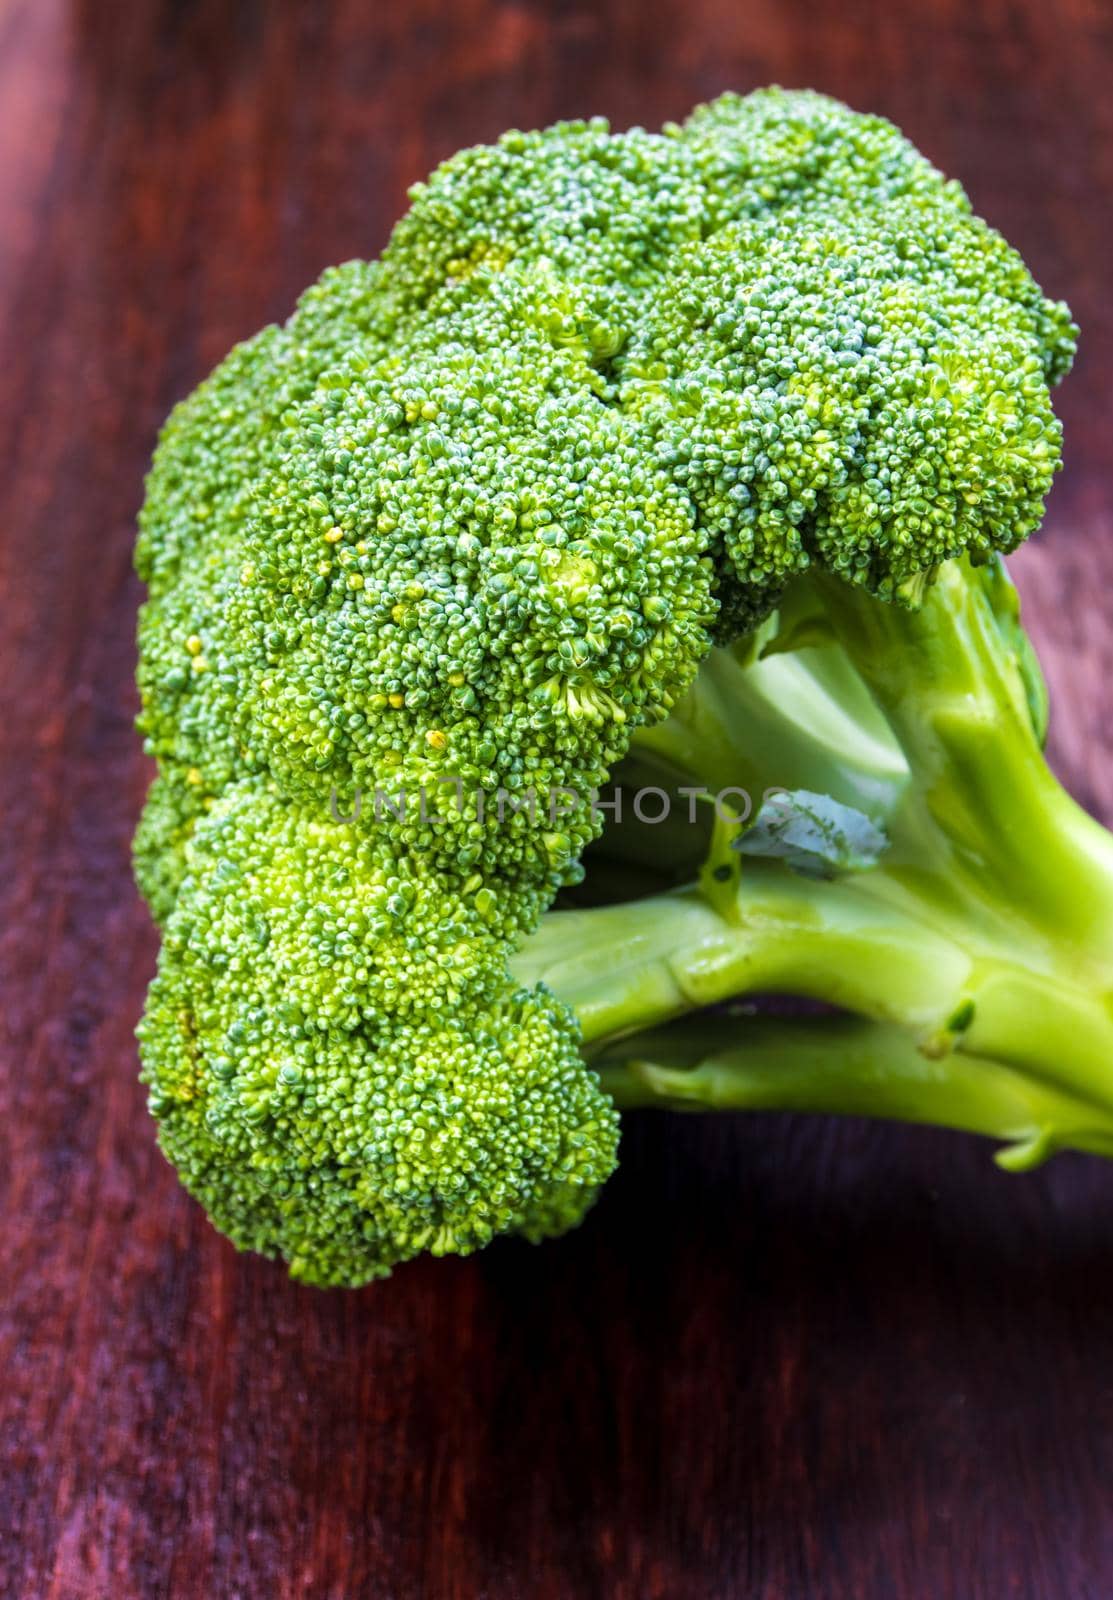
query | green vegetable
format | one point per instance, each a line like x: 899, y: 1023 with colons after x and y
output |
x: 451, y: 546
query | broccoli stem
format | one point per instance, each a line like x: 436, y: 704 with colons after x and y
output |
x: 855, y: 945
x: 846, y: 1066
x: 794, y: 719
x: 982, y: 944
x: 984, y: 813
x: 634, y: 965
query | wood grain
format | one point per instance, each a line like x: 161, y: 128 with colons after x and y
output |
x: 790, y: 1360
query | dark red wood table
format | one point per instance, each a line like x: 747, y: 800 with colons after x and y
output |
x: 784, y: 1358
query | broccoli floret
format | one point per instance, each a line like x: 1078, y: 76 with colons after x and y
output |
x: 868, y: 396
x: 450, y: 539
x: 343, y: 1072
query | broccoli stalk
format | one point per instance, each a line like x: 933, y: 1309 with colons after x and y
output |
x: 849, y: 1066
x: 975, y: 958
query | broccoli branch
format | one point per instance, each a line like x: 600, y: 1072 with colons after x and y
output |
x: 975, y: 960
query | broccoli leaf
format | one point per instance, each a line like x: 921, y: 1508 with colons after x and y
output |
x: 813, y: 835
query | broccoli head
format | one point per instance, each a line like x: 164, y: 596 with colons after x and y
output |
x: 438, y: 548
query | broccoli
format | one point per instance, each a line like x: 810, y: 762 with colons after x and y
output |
x: 621, y: 436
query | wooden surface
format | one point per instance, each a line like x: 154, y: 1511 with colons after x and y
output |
x: 791, y: 1360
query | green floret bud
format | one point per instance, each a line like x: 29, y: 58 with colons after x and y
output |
x: 343, y: 1074
x: 467, y: 571
x: 868, y: 395
x: 176, y: 801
